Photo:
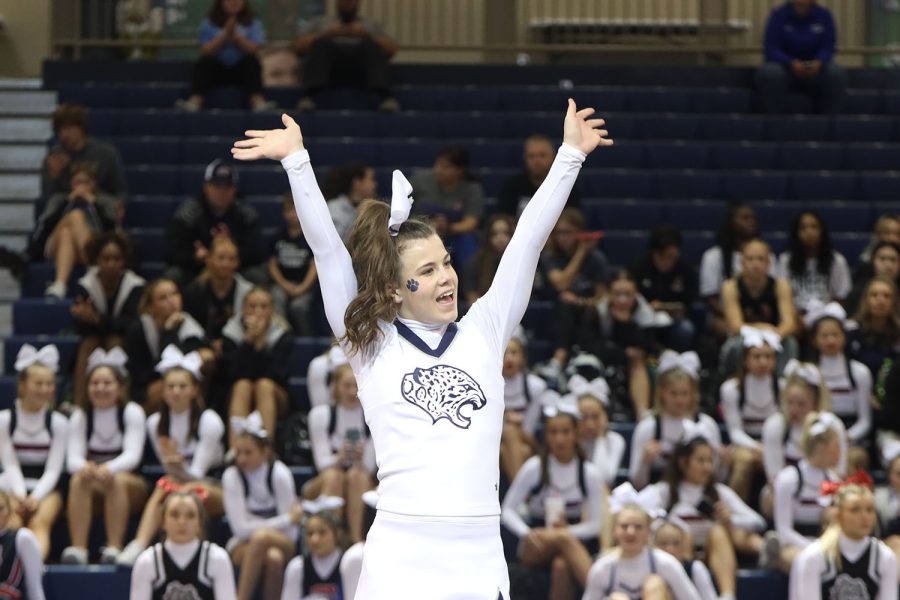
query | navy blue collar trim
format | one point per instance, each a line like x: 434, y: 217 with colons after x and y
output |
x: 410, y: 336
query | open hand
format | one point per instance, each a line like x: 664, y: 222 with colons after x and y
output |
x: 273, y: 143
x: 583, y: 133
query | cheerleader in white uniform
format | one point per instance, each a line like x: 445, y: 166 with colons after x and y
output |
x: 316, y: 574
x: 262, y: 510
x: 187, y: 440
x: 318, y: 375
x: 431, y: 388
x: 602, y: 447
x: 106, y: 445
x: 559, y: 485
x: 523, y: 397
x: 848, y: 381
x: 674, y: 536
x: 22, y: 569
x: 847, y: 563
x: 184, y: 565
x: 887, y: 502
x: 677, y: 400
x: 747, y: 400
x: 343, y: 451
x: 33, y: 444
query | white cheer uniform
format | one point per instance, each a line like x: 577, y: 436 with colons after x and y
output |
x: 612, y: 573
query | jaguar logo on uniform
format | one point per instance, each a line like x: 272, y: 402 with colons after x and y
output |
x: 180, y: 591
x: 442, y: 391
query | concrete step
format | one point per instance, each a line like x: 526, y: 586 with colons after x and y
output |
x: 13, y: 241
x: 30, y: 102
x: 7, y: 83
x: 17, y: 216
x: 15, y: 186
x: 25, y: 129
x: 22, y: 157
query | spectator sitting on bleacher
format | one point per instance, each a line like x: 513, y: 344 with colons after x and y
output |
x: 800, y: 43
x: 106, y: 302
x: 230, y: 37
x: 216, y: 213
x: 316, y: 573
x: 22, y: 551
x: 293, y: 271
x: 70, y: 122
x: 602, y: 446
x: 105, y: 448
x: 885, y: 263
x: 348, y: 50
x: 669, y: 284
x: 353, y: 183
x: 814, y: 269
x: 887, y: 229
x: 523, y: 395
x: 67, y: 223
x: 756, y: 298
x: 478, y: 272
x: 319, y: 374
x: 877, y: 337
x: 520, y: 188
x: 256, y: 358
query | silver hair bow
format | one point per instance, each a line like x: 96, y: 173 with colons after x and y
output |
x: 755, y: 337
x: 115, y: 359
x: 28, y: 355
x: 580, y: 386
x: 688, y: 362
x: 172, y: 357
x: 401, y: 202
x: 816, y: 311
x: 251, y: 424
x: 808, y: 372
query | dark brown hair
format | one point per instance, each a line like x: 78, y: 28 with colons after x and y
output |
x: 675, y: 472
x: 87, y: 167
x: 67, y: 114
x: 573, y: 217
x: 487, y: 260
x: 99, y: 241
x: 544, y: 454
x: 218, y: 17
x: 121, y: 378
x: 165, y: 413
x: 217, y: 241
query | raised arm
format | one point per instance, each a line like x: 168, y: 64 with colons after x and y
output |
x: 333, y: 264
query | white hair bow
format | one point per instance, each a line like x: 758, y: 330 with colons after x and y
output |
x: 115, y: 359
x: 555, y: 405
x: 580, y: 386
x: 251, y: 424
x: 890, y: 449
x: 29, y: 355
x: 172, y: 357
x: 370, y: 498
x: 816, y: 311
x: 322, y: 504
x: 755, y: 337
x: 808, y: 372
x: 625, y: 495
x: 818, y: 428
x: 692, y: 430
x: 401, y: 202
x: 688, y: 362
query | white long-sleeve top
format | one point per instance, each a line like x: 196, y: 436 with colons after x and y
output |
x: 671, y: 432
x: 256, y: 507
x: 562, y: 481
x: 28, y: 553
x: 217, y: 568
x: 436, y: 410
x: 745, y: 424
x: 810, y: 566
x: 317, y: 375
x: 529, y: 405
x: 656, y: 496
x: 848, y: 401
x: 31, y: 445
x: 293, y: 574
x: 612, y: 573
x: 325, y: 447
x: 120, y: 451
x: 887, y: 503
x: 778, y: 451
x: 605, y: 453
x: 201, y: 453
x: 351, y: 568
x: 796, y: 504
x: 703, y: 581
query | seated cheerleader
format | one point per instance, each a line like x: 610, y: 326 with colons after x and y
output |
x: 22, y: 570
x: 187, y: 441
x: 106, y: 301
x: 887, y: 499
x: 847, y: 562
x: 602, y: 447
x: 33, y: 444
x: 256, y: 358
x: 522, y: 394
x: 106, y: 445
x: 677, y: 400
x: 319, y: 373
x: 798, y: 512
x: 352, y: 560
x: 848, y: 381
x: 747, y: 400
x: 674, y: 536
x: 634, y: 570
x: 262, y: 510
x: 162, y: 323
x: 563, y: 493
x: 342, y: 450
x: 315, y: 575
x: 184, y: 565
x: 720, y: 522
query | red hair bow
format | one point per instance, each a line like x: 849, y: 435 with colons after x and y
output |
x: 169, y: 486
x: 830, y: 488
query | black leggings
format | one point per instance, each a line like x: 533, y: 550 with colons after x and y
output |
x: 209, y: 73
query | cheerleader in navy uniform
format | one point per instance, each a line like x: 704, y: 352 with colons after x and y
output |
x: 21, y: 570
x: 187, y: 441
x: 432, y: 388
x: 847, y: 563
x: 674, y: 536
x: 522, y: 396
x: 184, y: 565
x: 262, y: 510
x: 316, y: 575
x: 106, y: 445
x: 602, y: 447
x: 33, y: 444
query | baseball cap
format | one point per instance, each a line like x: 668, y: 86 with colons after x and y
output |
x: 221, y: 171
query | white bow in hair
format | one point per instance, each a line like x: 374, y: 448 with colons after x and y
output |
x: 808, y: 372
x: 816, y: 310
x: 555, y: 405
x: 370, y: 498
x: 172, y: 357
x: 625, y: 494
x: 401, y: 202
x: 322, y: 504
x: 670, y: 520
x: 29, y: 355
x: 114, y: 359
x: 755, y: 337
x: 251, y: 424
x: 518, y: 334
x: 818, y: 428
x: 692, y: 430
x: 598, y: 388
x: 688, y: 362
x: 336, y: 357
x: 890, y: 449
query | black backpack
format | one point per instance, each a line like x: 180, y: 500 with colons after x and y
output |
x: 292, y: 441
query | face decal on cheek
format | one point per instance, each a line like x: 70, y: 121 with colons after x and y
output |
x: 412, y: 285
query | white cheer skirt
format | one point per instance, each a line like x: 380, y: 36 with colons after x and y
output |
x: 408, y: 557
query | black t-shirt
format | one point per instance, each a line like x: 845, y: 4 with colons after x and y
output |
x: 594, y: 269
x: 518, y: 190
x: 678, y: 285
x: 292, y: 254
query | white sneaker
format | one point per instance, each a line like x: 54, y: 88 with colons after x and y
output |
x: 130, y: 554
x: 73, y: 555
x: 109, y: 554
x: 771, y: 550
x: 57, y: 290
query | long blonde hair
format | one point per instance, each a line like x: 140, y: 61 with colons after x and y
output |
x: 821, y: 394
x: 831, y: 536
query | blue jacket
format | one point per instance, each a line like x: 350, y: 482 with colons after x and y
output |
x: 792, y: 37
